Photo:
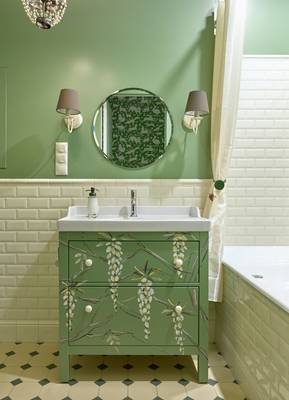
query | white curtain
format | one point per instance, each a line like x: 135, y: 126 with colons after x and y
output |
x: 226, y: 84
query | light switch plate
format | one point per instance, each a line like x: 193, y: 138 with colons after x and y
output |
x: 3, y: 117
x: 61, y: 158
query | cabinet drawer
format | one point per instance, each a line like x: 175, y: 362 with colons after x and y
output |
x: 146, y: 315
x: 119, y: 261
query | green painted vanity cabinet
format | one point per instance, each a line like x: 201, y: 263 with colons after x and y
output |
x: 133, y: 293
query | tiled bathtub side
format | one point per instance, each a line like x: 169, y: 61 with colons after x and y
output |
x: 29, y: 240
x: 252, y: 333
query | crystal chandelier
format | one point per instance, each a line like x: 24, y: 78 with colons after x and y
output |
x: 45, y: 13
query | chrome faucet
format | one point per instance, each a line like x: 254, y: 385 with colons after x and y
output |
x: 133, y: 207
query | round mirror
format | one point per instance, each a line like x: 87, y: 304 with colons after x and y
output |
x: 132, y: 127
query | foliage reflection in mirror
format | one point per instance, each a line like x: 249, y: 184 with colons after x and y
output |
x: 132, y: 128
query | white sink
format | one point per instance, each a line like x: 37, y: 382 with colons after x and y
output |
x: 150, y: 218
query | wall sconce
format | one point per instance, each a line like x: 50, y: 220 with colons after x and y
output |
x: 196, y: 108
x: 68, y: 104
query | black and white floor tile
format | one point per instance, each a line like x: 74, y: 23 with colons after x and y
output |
x: 29, y: 371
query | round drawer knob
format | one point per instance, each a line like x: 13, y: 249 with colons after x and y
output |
x: 178, y: 262
x: 88, y: 262
x: 179, y: 309
x: 88, y: 308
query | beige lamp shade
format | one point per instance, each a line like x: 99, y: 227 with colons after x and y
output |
x: 68, y: 102
x: 197, y: 103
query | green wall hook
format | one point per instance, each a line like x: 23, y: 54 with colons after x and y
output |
x: 219, y: 184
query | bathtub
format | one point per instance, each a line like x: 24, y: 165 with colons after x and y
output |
x: 266, y: 268
x: 252, y: 321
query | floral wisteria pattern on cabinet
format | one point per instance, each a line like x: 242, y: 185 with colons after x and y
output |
x: 133, y: 293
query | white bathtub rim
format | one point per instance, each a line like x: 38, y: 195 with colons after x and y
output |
x: 268, y: 292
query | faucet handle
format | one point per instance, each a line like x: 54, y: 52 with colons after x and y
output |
x: 133, y: 203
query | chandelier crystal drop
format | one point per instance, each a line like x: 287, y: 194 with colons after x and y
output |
x: 45, y: 13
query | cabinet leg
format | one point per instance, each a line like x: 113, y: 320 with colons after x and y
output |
x: 202, y: 368
x: 64, y: 366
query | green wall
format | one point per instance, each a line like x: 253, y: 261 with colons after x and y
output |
x: 267, y: 27
x: 165, y: 46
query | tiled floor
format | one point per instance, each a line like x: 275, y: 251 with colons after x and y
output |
x: 29, y: 371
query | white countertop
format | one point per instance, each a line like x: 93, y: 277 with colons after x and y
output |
x: 149, y: 219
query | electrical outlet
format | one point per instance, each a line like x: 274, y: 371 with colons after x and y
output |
x: 61, y: 158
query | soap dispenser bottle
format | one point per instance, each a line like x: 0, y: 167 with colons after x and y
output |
x: 93, y: 207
